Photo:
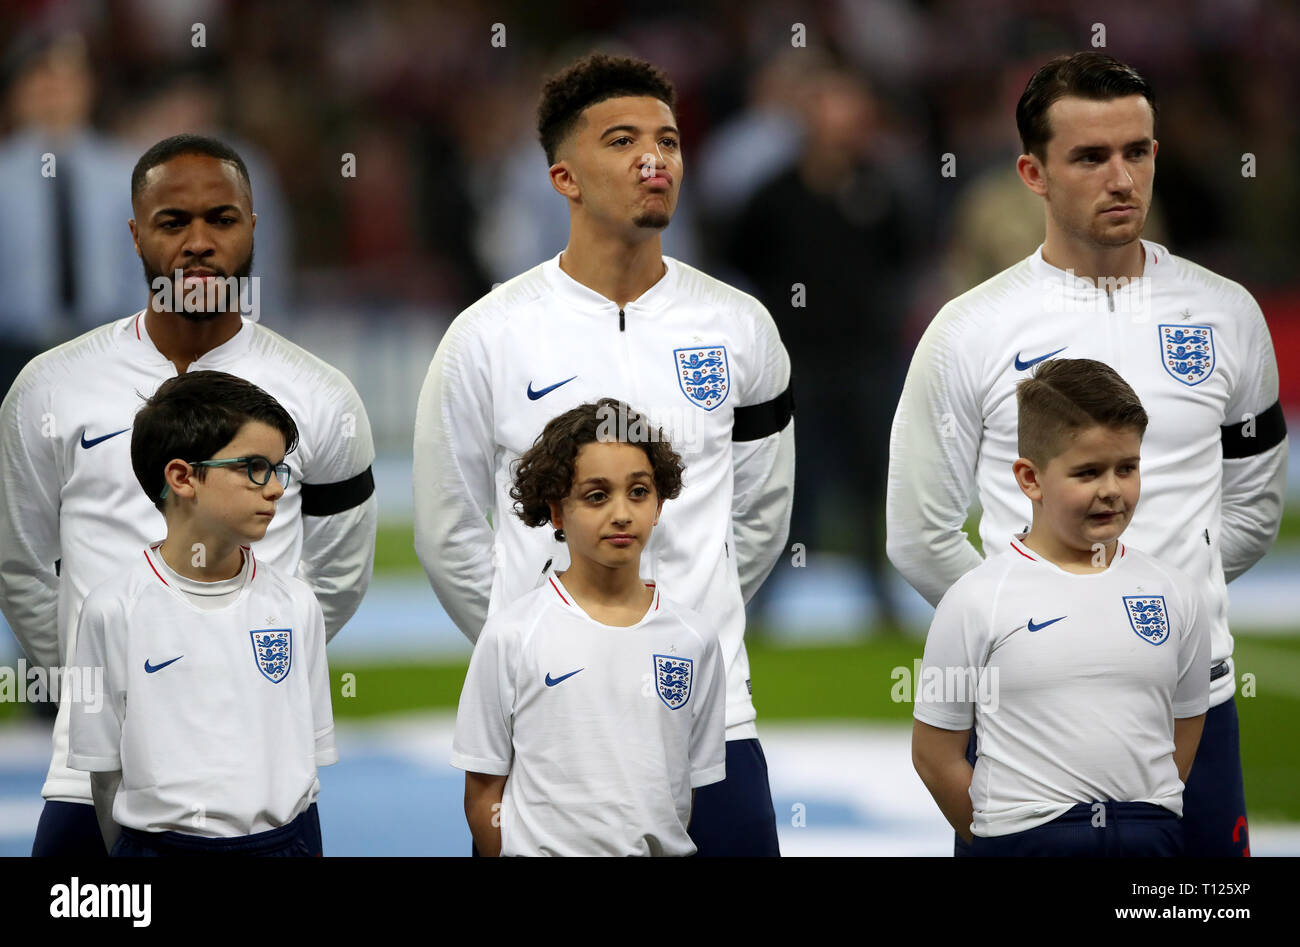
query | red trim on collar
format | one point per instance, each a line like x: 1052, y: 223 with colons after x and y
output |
x: 558, y: 592
x: 1023, y: 553
x: 656, y: 600
x: 137, y: 325
x: 155, y: 568
x: 249, y: 550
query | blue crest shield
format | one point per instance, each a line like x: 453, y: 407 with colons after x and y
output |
x: 273, y: 649
x: 703, y: 376
x: 1188, y: 352
x: 1147, y: 615
x: 673, y: 680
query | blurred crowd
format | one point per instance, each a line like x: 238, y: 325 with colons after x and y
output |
x: 872, y: 165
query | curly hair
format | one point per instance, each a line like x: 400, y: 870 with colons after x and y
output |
x: 593, y: 79
x: 544, y: 474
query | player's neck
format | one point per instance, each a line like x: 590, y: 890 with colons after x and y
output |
x: 1067, y: 558
x: 1092, y: 262
x: 183, y: 341
x: 200, y: 558
x: 618, y: 270
x: 611, y: 596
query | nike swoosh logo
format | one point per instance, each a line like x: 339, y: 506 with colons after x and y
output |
x: 1040, y: 627
x: 1021, y: 366
x: 552, y: 681
x: 153, y: 668
x: 534, y: 395
x: 94, y: 441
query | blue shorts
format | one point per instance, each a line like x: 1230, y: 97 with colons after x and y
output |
x: 298, y: 839
x: 1214, y: 799
x: 735, y: 817
x: 68, y: 829
x: 1128, y: 830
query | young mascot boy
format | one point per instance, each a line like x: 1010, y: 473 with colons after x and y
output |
x: 1092, y: 660
x: 216, y: 709
x: 594, y: 705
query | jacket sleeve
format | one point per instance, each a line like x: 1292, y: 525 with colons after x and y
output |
x: 29, y: 519
x: 340, y: 514
x: 453, y: 477
x: 933, y: 448
x: 1255, y: 453
x: 763, y: 460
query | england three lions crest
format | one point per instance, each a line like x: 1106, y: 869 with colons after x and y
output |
x: 673, y: 680
x: 273, y: 649
x: 1188, y: 352
x: 703, y: 376
x: 1147, y: 615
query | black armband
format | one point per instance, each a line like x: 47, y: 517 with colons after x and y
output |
x: 756, y: 421
x: 1254, y: 435
x: 326, y: 499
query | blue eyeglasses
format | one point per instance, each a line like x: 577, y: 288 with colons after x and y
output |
x: 258, y: 468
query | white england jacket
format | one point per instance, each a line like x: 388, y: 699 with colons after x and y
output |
x: 698, y: 357
x: 1195, y: 348
x: 72, y: 513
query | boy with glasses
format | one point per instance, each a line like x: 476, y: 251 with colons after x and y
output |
x: 216, y: 706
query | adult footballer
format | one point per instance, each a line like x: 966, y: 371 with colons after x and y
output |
x: 611, y: 316
x: 1192, y: 344
x: 71, y: 511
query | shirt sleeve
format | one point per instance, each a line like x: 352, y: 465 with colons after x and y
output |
x: 933, y: 449
x: 709, y: 720
x: 454, y: 477
x: 763, y: 459
x: 958, y: 638
x: 1256, y: 452
x: 29, y: 519
x: 95, y: 720
x: 483, y: 741
x: 1192, y: 695
x: 340, y: 515
x: 322, y: 711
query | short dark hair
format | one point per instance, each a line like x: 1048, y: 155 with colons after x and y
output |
x: 1088, y: 75
x: 187, y: 144
x: 194, y: 415
x: 1067, y: 395
x: 593, y: 79
x: 544, y: 474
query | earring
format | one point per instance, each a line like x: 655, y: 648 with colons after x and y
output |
x: 559, y: 535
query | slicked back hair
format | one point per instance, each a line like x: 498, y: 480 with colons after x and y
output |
x: 593, y: 79
x: 1066, y: 396
x: 1088, y: 75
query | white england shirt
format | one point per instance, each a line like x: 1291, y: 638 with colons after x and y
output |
x: 1195, y: 348
x: 217, y: 718
x: 68, y: 492
x: 696, y: 356
x: 604, y: 731
x: 1078, y: 679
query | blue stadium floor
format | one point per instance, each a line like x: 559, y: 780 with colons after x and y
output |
x: 394, y: 793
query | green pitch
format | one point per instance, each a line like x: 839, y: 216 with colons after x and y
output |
x: 857, y: 683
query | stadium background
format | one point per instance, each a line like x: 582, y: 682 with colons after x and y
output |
x: 450, y: 196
